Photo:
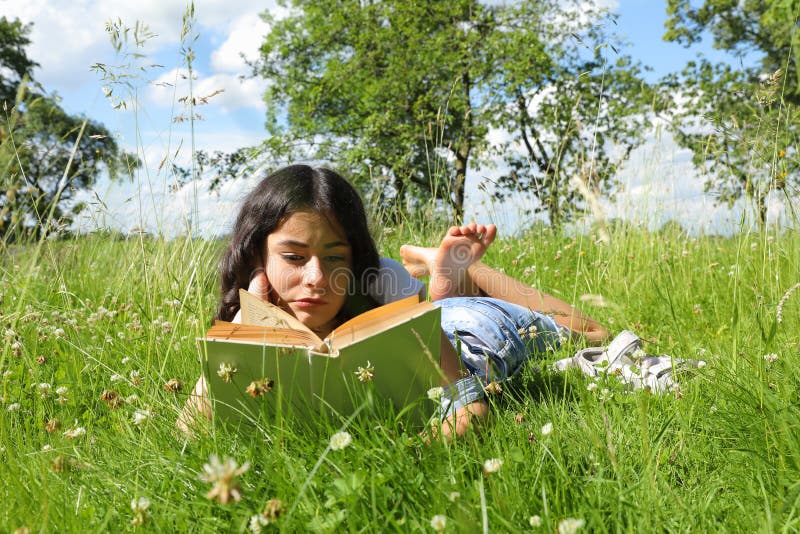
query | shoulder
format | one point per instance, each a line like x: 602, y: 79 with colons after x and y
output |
x: 394, y: 283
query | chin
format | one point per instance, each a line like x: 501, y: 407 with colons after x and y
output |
x: 313, y: 322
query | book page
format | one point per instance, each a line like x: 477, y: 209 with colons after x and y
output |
x: 265, y: 335
x: 262, y: 313
x: 376, y: 321
x: 379, y: 313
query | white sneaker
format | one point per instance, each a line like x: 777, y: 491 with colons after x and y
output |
x: 625, y: 358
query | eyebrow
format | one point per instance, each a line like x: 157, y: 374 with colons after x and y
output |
x: 300, y: 244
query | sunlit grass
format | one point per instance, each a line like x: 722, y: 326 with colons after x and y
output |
x: 98, y: 314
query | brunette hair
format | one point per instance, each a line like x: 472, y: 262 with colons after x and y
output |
x: 282, y: 193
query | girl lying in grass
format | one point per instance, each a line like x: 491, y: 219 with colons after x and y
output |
x: 301, y: 241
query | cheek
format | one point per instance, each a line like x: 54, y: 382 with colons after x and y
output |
x: 339, y: 281
x: 281, y: 277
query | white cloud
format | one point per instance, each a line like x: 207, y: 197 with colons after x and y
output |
x: 245, y: 35
x: 228, y: 90
x: 69, y: 36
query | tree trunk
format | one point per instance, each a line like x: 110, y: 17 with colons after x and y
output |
x: 462, y: 154
x: 399, y: 206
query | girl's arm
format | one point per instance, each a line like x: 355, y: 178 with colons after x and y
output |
x: 463, y: 418
x: 196, y: 409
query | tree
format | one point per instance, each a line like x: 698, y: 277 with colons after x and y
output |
x: 405, y: 95
x: 740, y: 123
x: 40, y: 165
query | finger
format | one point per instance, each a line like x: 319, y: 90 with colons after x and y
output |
x: 259, y: 285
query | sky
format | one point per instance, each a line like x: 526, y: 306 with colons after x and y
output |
x: 68, y: 37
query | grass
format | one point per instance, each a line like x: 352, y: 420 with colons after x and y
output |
x: 722, y: 454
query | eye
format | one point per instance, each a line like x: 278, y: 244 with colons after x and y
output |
x: 335, y: 259
x: 292, y: 257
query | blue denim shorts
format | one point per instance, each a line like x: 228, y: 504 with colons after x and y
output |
x: 494, y: 338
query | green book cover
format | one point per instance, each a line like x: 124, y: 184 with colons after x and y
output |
x: 398, y: 358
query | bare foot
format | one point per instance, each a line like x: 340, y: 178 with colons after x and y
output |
x: 417, y: 260
x: 447, y: 265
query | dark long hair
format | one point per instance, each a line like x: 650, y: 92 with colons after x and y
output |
x: 279, y: 195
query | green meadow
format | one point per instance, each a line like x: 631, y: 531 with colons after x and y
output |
x: 98, y: 357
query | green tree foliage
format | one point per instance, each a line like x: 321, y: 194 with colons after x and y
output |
x: 406, y: 95
x: 40, y: 166
x: 741, y: 122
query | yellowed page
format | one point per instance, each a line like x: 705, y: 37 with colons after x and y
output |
x: 262, y: 313
x: 376, y: 321
x: 266, y: 335
x: 378, y: 313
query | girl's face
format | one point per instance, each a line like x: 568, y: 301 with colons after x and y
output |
x: 308, y: 267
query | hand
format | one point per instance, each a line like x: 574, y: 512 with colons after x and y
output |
x: 259, y: 285
x: 460, y: 422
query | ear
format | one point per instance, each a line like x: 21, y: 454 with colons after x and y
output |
x: 259, y: 285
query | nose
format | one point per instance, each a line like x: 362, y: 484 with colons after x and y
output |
x: 313, y: 275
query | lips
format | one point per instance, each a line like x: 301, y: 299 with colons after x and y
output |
x: 309, y: 302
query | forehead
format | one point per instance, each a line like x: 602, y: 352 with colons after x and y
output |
x: 310, y: 228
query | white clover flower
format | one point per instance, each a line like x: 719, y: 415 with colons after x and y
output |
x: 7, y: 373
x: 638, y: 355
x: 223, y: 475
x: 74, y: 433
x: 436, y: 393
x: 226, y: 372
x: 547, y: 429
x: 340, y: 440
x: 492, y: 465
x: 535, y: 521
x: 141, y: 416
x: 570, y: 525
x: 439, y: 523
x: 116, y: 378
x: 13, y: 407
x: 47, y: 447
x: 136, y: 377
x: 125, y: 360
x: 256, y: 522
x: 132, y: 398
x: 591, y: 386
x: 771, y: 357
x: 59, y: 332
x: 365, y: 374
x: 139, y: 507
x: 62, y: 390
x: 454, y: 496
x: 44, y: 389
x: 701, y: 364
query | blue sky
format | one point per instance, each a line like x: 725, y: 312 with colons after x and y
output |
x: 69, y: 36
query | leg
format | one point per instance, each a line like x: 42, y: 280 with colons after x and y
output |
x: 454, y: 270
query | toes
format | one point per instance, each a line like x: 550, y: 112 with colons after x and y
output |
x: 489, y: 234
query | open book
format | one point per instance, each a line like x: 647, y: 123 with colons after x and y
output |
x: 272, y: 365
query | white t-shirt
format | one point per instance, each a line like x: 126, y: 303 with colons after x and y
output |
x: 393, y: 283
